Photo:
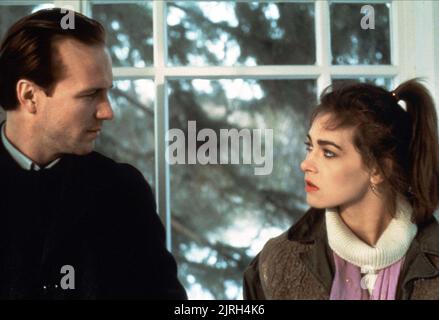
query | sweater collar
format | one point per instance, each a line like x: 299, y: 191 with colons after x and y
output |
x: 390, y: 247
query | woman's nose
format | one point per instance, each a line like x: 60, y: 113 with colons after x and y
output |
x: 308, y: 165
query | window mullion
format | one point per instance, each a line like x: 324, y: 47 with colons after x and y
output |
x: 161, y: 121
x: 75, y: 4
x: 323, y: 44
x: 86, y: 7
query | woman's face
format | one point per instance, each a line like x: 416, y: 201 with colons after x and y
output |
x: 333, y: 166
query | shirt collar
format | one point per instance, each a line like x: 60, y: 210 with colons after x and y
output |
x: 23, y: 161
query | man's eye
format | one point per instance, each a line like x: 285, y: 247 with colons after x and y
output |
x: 308, y: 146
x: 91, y: 94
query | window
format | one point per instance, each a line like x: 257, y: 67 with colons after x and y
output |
x: 237, y: 65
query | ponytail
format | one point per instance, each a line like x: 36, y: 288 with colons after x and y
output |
x: 423, y: 175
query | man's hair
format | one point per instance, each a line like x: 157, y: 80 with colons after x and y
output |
x: 28, y: 50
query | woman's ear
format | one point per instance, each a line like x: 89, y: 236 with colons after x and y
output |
x: 376, y: 175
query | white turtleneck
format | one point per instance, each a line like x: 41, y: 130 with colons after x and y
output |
x: 390, y: 247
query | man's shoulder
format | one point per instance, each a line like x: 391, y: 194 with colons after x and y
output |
x: 98, y: 160
x: 101, y: 168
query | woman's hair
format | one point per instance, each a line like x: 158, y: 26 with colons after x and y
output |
x: 401, y: 143
x: 28, y: 50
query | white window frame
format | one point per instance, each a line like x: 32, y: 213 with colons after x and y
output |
x: 414, y: 30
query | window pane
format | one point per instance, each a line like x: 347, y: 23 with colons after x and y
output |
x: 11, y: 14
x: 223, y: 214
x: 382, y: 82
x: 129, y: 137
x: 129, y: 31
x: 230, y: 33
x: 353, y: 45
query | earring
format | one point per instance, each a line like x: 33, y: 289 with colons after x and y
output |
x: 373, y: 187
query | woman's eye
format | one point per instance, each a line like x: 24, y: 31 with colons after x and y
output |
x: 308, y: 146
x: 328, y: 154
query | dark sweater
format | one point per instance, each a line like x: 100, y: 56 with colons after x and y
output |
x: 88, y: 212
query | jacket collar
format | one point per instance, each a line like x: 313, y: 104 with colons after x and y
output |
x: 311, y: 230
x: 417, y: 264
x: 428, y: 237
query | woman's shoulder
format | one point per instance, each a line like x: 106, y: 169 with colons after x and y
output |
x: 306, y: 230
x: 428, y: 236
x: 278, y: 269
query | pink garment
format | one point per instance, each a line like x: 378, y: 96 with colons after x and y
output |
x: 347, y: 282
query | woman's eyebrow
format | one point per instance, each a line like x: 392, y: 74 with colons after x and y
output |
x: 325, y: 143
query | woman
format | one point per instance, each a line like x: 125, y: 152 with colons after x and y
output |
x: 372, y: 181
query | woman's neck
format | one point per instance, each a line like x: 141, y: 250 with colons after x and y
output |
x: 368, y: 218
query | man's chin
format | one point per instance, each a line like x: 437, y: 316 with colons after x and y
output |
x: 84, y: 149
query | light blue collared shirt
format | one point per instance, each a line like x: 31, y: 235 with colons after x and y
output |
x: 23, y: 161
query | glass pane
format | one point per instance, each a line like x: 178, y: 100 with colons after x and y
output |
x: 382, y: 82
x: 222, y: 214
x: 129, y: 137
x: 351, y: 44
x: 9, y: 14
x: 129, y: 31
x: 229, y: 33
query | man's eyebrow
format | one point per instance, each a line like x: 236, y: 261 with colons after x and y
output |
x: 325, y: 143
x: 90, y: 90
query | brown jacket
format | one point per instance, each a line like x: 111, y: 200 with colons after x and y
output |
x: 298, y: 264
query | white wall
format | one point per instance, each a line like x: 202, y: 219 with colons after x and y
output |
x: 436, y: 48
x: 418, y: 42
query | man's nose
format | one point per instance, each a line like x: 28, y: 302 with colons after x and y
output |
x: 104, y: 111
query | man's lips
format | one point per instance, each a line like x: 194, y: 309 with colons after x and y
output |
x: 94, y: 132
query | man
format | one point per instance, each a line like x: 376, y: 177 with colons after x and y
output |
x: 73, y: 223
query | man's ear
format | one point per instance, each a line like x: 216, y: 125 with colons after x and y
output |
x: 27, y: 94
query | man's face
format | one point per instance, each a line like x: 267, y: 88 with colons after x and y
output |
x: 70, y: 120
x: 338, y: 172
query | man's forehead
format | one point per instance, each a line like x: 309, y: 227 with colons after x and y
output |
x: 76, y: 55
x: 95, y: 86
x: 87, y: 66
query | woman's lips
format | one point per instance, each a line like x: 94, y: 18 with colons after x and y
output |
x: 309, y: 187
